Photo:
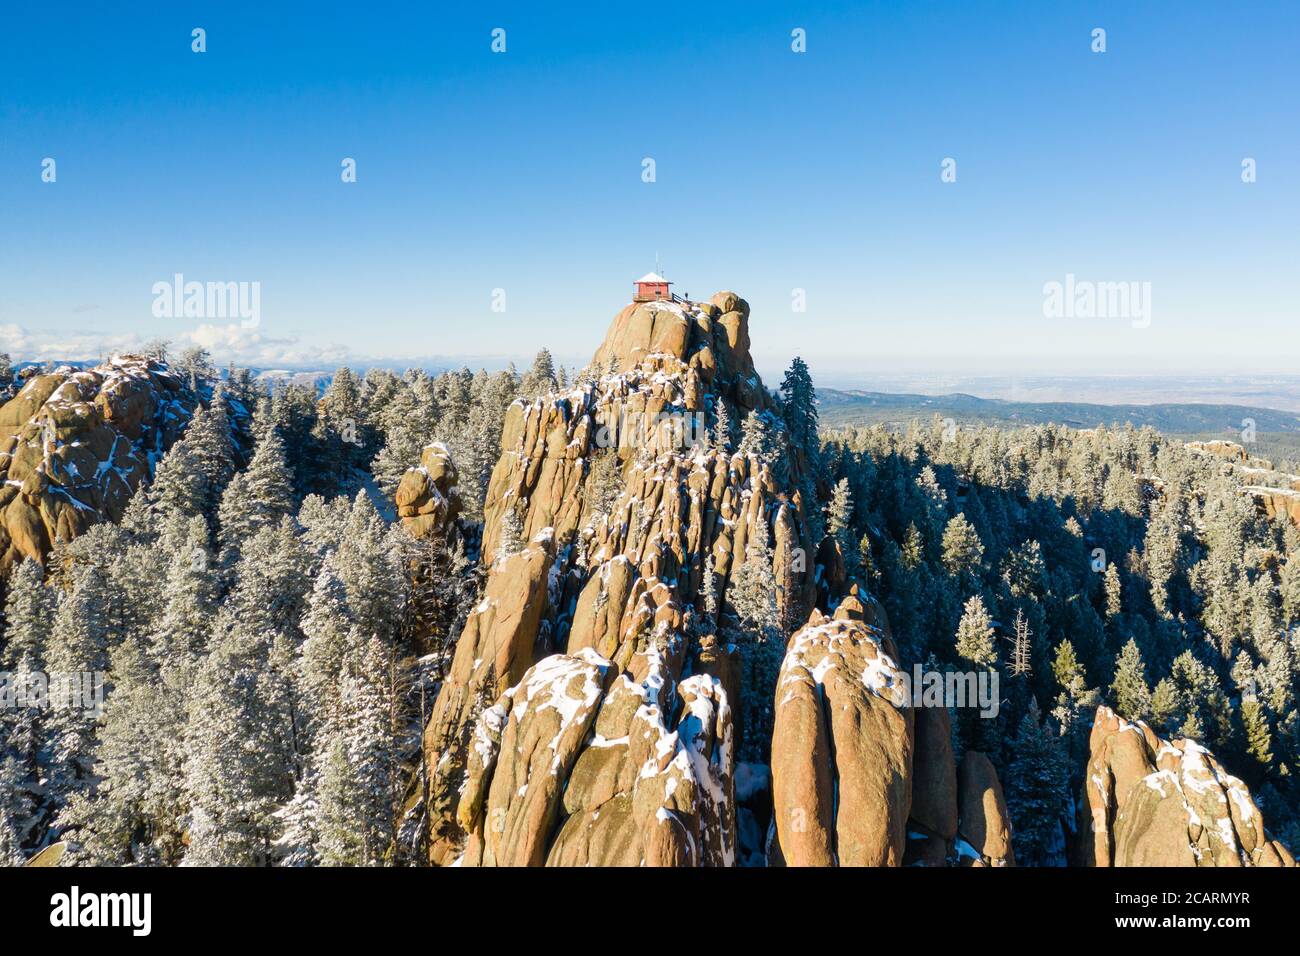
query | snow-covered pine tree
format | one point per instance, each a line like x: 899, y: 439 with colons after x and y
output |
x: 752, y: 596
x: 974, y: 638
x: 210, y: 441
x: 1129, y: 689
x: 178, y: 488
x: 134, y: 814
x: 330, y: 636
x: 839, y: 516
x: 510, y: 538
x: 22, y: 788
x: 358, y: 774
x: 540, y: 379
x: 722, y: 427
x: 256, y: 498
x: 962, y: 549
x: 29, y: 615
x: 77, y: 650
x: 1114, y: 592
x: 190, y: 594
x: 369, y: 564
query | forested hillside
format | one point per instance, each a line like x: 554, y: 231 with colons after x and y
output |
x: 278, y: 610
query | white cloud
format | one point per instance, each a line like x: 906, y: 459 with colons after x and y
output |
x: 234, y: 343
x: 72, y: 345
x: 227, y: 343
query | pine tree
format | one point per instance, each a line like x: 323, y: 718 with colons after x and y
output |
x: 752, y: 597
x: 1024, y: 570
x: 722, y: 427
x: 839, y: 516
x: 1164, y: 703
x: 799, y: 408
x: 28, y: 616
x: 1129, y: 689
x: 22, y: 784
x: 975, y: 634
x: 369, y: 564
x: 758, y: 440
x: 134, y: 815
x: 178, y: 488
x: 259, y: 497
x: 77, y: 651
x: 1075, y: 702
x: 510, y: 537
x: 194, y: 368
x: 342, y: 436
x: 913, y: 551
x: 330, y: 635
x: 1037, y: 793
x: 209, y: 440
x: 540, y: 379
x: 358, y: 775
x: 190, y: 595
x: 1114, y: 592
x: 962, y: 550
x: 238, y: 768
x: 1259, y: 739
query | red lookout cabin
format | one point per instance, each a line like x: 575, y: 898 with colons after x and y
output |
x: 650, y: 287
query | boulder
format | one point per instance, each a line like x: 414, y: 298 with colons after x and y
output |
x: 1148, y: 801
x: 842, y: 744
x: 984, y: 825
x: 427, y: 497
x: 75, y: 444
x: 569, y: 769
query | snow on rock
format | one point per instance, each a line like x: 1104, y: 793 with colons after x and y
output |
x: 496, y: 648
x: 636, y: 508
x: 530, y: 739
x: 578, y: 769
x: 75, y: 445
x: 427, y: 497
x: 842, y: 744
x: 1154, y: 802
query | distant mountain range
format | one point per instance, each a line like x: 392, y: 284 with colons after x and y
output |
x: 838, y: 407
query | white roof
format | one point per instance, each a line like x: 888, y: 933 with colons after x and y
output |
x: 652, y: 277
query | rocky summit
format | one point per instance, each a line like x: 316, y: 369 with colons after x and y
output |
x: 75, y: 445
x: 596, y: 710
x: 596, y: 634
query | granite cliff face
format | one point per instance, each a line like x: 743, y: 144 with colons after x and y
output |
x: 592, y: 714
x: 74, y: 446
x: 623, y: 508
x: 1154, y: 802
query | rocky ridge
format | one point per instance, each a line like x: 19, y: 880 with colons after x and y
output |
x: 76, y: 443
x: 1276, y: 494
x: 590, y: 716
x: 1154, y: 802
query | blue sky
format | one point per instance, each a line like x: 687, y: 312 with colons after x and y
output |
x: 775, y: 171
